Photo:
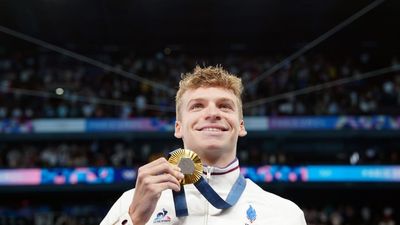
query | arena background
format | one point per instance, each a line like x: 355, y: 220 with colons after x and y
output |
x: 86, y: 96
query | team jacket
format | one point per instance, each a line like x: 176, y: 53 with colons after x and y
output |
x: 255, y: 206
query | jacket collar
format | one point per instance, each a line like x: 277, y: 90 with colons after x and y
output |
x: 222, y: 179
x: 233, y: 166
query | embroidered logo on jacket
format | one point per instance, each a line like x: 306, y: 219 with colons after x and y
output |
x: 251, y: 214
x: 162, y: 217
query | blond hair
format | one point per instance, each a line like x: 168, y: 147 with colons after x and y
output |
x: 209, y: 77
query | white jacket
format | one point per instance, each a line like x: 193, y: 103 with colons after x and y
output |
x: 254, y: 207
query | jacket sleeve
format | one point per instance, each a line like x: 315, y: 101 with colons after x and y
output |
x: 118, y: 214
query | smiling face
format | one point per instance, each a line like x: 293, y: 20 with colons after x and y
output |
x: 210, y: 123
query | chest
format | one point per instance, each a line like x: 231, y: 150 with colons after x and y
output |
x: 245, y: 212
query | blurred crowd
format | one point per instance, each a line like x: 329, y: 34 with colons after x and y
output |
x: 80, y: 154
x: 82, y: 214
x: 132, y: 154
x: 350, y: 214
x: 29, y: 79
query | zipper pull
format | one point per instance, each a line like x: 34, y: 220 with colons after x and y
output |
x: 209, y: 171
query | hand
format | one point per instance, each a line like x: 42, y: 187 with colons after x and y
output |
x: 152, y: 179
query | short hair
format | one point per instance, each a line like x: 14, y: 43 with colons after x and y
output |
x: 212, y: 76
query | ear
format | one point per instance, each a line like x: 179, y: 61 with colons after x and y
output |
x: 178, y: 129
x: 242, y: 129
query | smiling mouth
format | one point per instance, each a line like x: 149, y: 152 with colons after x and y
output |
x: 212, y: 129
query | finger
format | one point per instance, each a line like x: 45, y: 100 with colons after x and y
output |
x: 166, y: 178
x: 157, y: 162
x: 162, y: 168
x: 160, y: 187
x: 148, y: 184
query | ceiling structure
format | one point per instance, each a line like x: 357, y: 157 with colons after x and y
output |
x: 207, y: 24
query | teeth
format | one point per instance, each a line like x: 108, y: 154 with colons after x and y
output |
x: 211, y: 129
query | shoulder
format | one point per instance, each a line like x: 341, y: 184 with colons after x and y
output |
x: 126, y: 198
x: 128, y: 193
x: 270, y: 200
x: 271, y: 208
x: 119, y: 208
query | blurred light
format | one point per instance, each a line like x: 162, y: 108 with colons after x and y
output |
x: 167, y: 51
x: 371, y: 153
x: 354, y: 158
x: 159, y: 56
x: 59, y: 91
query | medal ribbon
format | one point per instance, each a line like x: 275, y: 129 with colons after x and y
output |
x: 208, y: 192
x: 191, y: 166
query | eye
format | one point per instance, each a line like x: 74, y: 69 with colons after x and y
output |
x: 226, y: 107
x: 196, y: 106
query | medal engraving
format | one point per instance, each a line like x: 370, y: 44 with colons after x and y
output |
x: 186, y: 165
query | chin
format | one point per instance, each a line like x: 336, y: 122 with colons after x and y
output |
x: 210, y: 147
x: 214, y: 148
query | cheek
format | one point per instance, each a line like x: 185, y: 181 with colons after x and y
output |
x: 234, y: 122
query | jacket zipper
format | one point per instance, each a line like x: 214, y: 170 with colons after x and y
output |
x: 208, y: 177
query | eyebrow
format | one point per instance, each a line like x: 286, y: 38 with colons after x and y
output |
x: 226, y: 100
x: 218, y: 100
x: 195, y: 100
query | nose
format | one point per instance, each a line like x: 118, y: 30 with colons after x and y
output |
x: 212, y: 112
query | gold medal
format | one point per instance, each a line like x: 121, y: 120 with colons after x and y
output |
x: 190, y: 165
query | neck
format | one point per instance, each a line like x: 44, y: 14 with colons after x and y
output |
x: 220, y: 162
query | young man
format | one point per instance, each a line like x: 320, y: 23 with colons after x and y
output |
x: 209, y: 121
